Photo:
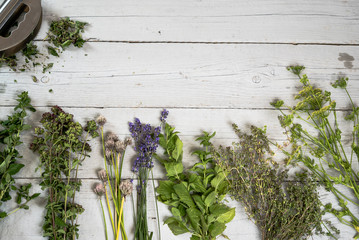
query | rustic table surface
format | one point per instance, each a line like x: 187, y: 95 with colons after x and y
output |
x: 210, y: 63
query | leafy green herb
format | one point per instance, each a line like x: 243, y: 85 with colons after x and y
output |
x: 64, y: 32
x: 281, y: 209
x: 195, y: 196
x: 62, y: 145
x: 320, y: 146
x: 47, y: 67
x: 53, y: 51
x: 11, y: 62
x: 51, y: 91
x: 9, y: 156
x: 34, y: 79
x: 30, y: 51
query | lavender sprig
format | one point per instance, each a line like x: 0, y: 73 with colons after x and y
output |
x: 146, y: 142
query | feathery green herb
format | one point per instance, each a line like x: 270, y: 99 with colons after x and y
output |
x: 9, y: 156
x: 320, y: 146
x: 281, y: 209
x: 62, y: 145
x: 195, y: 196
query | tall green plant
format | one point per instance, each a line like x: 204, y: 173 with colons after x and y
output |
x: 313, y: 130
x: 10, y: 157
x: 195, y: 195
x: 62, y: 144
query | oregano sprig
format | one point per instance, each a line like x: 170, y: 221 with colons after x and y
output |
x: 9, y: 156
x: 62, y: 144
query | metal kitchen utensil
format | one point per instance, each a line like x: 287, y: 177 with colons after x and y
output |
x: 20, y: 21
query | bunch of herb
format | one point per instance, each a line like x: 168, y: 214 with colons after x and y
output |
x: 282, y: 209
x: 62, y: 144
x: 64, y: 32
x: 320, y: 146
x: 146, y: 142
x: 9, y: 156
x: 113, y: 152
x: 195, y: 196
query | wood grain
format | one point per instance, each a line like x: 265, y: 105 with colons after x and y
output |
x: 180, y: 75
x: 275, y: 21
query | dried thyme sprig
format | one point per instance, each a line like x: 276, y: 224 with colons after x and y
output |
x: 320, y: 146
x: 62, y: 144
x: 280, y: 208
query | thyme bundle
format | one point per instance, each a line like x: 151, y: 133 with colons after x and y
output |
x: 194, y: 195
x: 62, y: 145
x: 280, y: 208
x: 9, y: 156
x: 322, y: 152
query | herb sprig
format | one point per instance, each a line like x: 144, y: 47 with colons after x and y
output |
x: 195, y: 196
x: 9, y: 156
x: 322, y: 152
x: 281, y: 209
x: 62, y: 145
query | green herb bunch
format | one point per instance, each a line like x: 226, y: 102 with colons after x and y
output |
x: 113, y: 187
x: 319, y: 145
x: 65, y: 31
x: 195, y: 196
x: 62, y: 145
x: 9, y: 156
x: 280, y: 208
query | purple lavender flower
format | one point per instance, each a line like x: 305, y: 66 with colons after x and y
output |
x: 146, y: 142
x: 164, y: 115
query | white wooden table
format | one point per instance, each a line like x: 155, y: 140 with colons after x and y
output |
x: 210, y: 63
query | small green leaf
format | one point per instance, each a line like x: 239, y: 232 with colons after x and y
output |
x: 183, y: 194
x: 176, y: 227
x: 173, y: 169
x: 52, y: 51
x: 165, y: 189
x: 15, y: 168
x: 210, y: 199
x: 216, y: 229
x: 227, y: 217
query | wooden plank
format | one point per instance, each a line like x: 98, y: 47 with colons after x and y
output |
x: 327, y: 22
x: 180, y: 75
x: 27, y: 224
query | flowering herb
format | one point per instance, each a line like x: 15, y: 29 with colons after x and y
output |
x: 195, y: 195
x: 320, y: 146
x: 281, y: 209
x: 114, y: 152
x: 146, y: 142
x: 62, y: 145
x: 9, y: 156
